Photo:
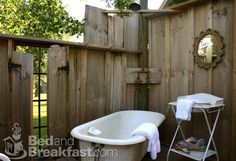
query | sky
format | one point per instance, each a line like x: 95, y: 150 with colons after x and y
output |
x: 76, y: 9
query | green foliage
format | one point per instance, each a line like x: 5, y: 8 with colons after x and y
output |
x: 39, y: 18
x: 119, y: 4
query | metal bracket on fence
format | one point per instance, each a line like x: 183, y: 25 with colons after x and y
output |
x: 65, y: 68
x: 12, y: 65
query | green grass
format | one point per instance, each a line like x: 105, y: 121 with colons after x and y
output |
x: 43, y: 113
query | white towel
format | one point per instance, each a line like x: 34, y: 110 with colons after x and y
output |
x: 205, y: 98
x: 150, y: 131
x: 184, y: 109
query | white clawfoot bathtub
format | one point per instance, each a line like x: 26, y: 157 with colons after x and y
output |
x: 109, y: 138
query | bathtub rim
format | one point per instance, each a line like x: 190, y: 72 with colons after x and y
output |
x: 128, y: 141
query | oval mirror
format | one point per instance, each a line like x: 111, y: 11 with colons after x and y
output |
x: 208, y: 49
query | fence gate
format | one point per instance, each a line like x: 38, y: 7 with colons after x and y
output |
x: 57, y: 84
x: 21, y: 73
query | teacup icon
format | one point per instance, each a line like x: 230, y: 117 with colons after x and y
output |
x: 16, y: 136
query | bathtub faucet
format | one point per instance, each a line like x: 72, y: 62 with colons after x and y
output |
x: 143, y: 76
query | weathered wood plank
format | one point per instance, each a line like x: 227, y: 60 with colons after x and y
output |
x: 111, y: 31
x: 83, y: 65
x: 73, y: 113
x: 157, y: 46
x: 166, y: 83
x: 233, y: 122
x: 131, y: 90
x: 179, y: 58
x: 167, y: 62
x: 209, y: 25
x: 222, y: 74
x: 124, y: 86
x: 117, y: 86
x: 4, y: 93
x: 21, y: 96
x: 95, y: 85
x: 118, y: 32
x: 37, y: 42
x: 57, y: 87
x: 109, y: 75
x: 123, y: 24
x: 201, y: 24
x: 190, y: 64
x: 95, y: 26
x: 202, y: 78
x: 10, y: 52
x: 131, y: 43
x: 190, y: 59
x: 131, y: 32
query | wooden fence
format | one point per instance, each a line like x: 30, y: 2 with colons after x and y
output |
x: 98, y: 82
x: 102, y: 74
x: 85, y: 81
x: 171, y: 40
x: 15, y: 92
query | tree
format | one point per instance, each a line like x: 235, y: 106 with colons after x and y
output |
x: 119, y: 4
x: 39, y: 18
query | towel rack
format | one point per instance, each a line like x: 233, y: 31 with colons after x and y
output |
x: 198, y: 155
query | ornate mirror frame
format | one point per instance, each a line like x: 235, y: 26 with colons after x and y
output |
x: 220, y: 53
